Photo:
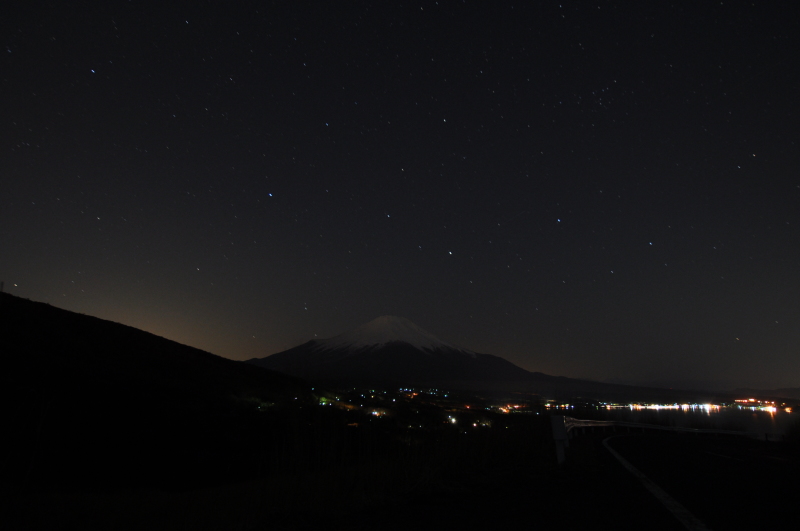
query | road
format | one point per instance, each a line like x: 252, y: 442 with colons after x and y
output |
x: 726, y: 482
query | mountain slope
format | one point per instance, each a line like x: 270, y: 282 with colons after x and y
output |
x: 93, y: 402
x: 389, y: 350
x: 44, y: 345
x: 383, y: 330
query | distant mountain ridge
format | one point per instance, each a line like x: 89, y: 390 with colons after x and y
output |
x: 394, y: 351
x: 784, y: 392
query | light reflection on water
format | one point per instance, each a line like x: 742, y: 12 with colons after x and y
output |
x: 772, y: 422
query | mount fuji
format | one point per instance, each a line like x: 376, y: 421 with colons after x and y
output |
x: 391, y: 350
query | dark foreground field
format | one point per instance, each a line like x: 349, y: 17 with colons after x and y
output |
x: 376, y: 494
x: 728, y: 483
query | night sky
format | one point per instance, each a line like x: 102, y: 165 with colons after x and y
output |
x: 599, y: 190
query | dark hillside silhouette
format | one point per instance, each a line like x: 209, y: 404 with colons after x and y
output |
x: 95, y: 404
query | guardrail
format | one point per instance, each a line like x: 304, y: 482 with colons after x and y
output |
x: 562, y: 426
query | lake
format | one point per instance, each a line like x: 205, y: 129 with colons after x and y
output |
x: 762, y: 424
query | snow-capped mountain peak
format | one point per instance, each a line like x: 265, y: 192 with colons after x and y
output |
x: 383, y: 330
